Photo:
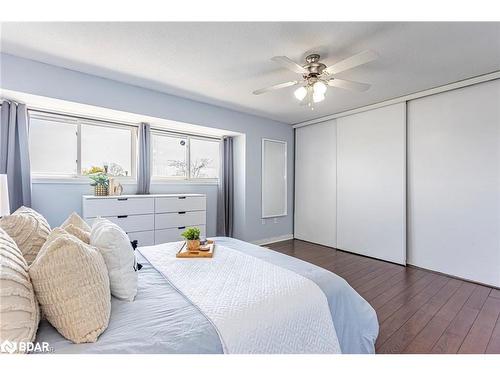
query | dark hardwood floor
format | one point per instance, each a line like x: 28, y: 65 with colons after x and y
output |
x: 418, y: 311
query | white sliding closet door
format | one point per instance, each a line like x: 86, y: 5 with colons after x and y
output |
x: 371, y: 183
x: 454, y: 182
x: 315, y: 183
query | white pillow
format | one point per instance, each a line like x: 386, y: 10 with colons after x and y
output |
x: 115, y: 247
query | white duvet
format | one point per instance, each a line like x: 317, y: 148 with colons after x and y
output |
x: 256, y: 307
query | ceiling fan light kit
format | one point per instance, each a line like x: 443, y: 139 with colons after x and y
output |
x: 317, y: 77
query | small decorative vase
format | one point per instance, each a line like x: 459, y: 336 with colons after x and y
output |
x: 100, y: 190
x: 193, y: 245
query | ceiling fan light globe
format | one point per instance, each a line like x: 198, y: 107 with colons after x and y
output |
x: 318, y: 97
x: 319, y: 88
x: 300, y: 93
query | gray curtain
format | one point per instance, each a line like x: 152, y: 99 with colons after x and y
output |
x: 14, y: 153
x: 225, y: 201
x: 144, y: 167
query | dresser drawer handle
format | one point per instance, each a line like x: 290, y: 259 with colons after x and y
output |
x: 122, y: 199
x: 181, y: 197
x: 181, y: 212
x: 122, y: 216
x: 181, y: 227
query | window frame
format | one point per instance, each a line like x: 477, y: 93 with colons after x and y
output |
x: 79, y: 121
x: 210, y: 139
x: 187, y: 178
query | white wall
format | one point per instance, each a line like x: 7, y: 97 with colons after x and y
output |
x: 315, y: 183
x: 36, y: 78
x: 454, y: 182
x: 371, y: 183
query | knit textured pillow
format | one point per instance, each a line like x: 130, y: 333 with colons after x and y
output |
x: 19, y: 311
x: 28, y: 229
x: 75, y: 220
x: 72, y: 286
x: 78, y: 233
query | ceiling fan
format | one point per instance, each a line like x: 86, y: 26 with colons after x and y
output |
x: 316, y: 76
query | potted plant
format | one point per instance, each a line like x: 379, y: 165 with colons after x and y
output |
x: 100, y: 181
x: 192, y: 236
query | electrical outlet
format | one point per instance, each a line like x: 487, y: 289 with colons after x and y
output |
x: 263, y: 221
x: 275, y: 220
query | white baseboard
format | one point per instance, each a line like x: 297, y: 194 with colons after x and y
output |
x: 266, y: 241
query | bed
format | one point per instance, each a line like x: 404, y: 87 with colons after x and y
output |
x: 163, y: 320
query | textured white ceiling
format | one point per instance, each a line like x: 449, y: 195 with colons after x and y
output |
x: 222, y: 63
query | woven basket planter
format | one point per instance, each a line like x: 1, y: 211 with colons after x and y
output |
x: 100, y: 190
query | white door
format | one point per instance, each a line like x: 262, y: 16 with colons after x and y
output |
x: 454, y: 182
x: 371, y: 183
x: 315, y: 183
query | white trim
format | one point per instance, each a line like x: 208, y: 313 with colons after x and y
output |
x: 83, y: 180
x: 416, y: 95
x: 266, y: 241
x: 78, y: 180
x: 285, y: 213
x: 172, y: 181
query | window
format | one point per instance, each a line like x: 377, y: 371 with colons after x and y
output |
x: 109, y: 146
x: 69, y: 146
x: 184, y: 157
x: 53, y: 146
x: 169, y: 155
x: 204, y: 158
x: 64, y: 146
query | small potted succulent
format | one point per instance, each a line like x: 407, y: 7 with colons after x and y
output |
x: 192, y: 236
x: 100, y: 180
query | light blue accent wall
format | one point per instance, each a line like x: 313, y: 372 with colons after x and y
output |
x: 57, y: 200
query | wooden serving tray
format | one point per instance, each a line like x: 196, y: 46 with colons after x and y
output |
x: 185, y: 253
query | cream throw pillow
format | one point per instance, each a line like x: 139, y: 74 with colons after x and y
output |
x: 115, y: 247
x: 72, y: 286
x: 28, y: 229
x: 19, y: 311
x: 78, y: 233
x: 75, y: 220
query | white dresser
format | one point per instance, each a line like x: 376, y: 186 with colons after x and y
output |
x: 149, y: 219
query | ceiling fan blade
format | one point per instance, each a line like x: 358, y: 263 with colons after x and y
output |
x: 275, y: 87
x: 351, y: 62
x: 289, y: 64
x: 349, y: 85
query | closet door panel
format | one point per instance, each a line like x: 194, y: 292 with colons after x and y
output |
x: 454, y: 182
x: 315, y: 183
x: 371, y: 183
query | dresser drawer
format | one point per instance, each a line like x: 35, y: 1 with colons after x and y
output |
x: 133, y: 223
x: 118, y: 206
x: 179, y: 219
x: 173, y: 234
x: 181, y: 203
x: 145, y: 238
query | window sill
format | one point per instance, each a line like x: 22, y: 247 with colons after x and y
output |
x: 123, y: 181
x: 167, y: 181
x: 75, y: 180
